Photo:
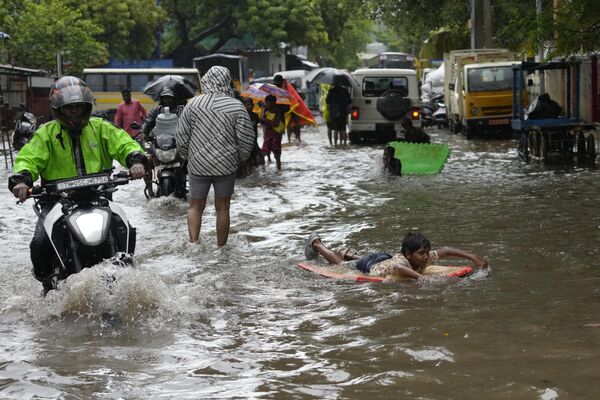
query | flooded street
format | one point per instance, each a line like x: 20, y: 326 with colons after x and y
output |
x: 243, y: 322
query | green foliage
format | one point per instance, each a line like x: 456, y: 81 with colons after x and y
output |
x: 40, y: 30
x: 128, y: 26
x: 275, y: 21
x: 347, y: 33
x: 573, y: 27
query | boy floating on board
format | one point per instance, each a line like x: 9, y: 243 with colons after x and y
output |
x: 415, y: 255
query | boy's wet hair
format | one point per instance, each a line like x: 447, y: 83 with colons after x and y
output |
x: 413, y: 242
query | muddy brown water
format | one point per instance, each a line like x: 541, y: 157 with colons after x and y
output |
x: 243, y: 322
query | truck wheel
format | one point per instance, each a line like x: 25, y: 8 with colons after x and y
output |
x: 355, y: 137
x: 468, y: 132
x: 393, y: 104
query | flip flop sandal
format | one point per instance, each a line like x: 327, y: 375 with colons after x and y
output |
x: 346, y: 253
x: 309, y: 252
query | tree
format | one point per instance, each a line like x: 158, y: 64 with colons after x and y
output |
x: 269, y: 22
x: 412, y: 21
x: 567, y: 26
x: 571, y: 27
x: 348, y: 32
x: 40, y: 30
x: 128, y: 26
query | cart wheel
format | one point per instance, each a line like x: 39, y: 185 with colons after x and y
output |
x: 543, y: 144
x: 591, y: 148
x: 534, y: 144
x: 581, y: 154
x: 524, y: 147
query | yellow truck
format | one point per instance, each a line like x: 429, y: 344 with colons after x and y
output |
x: 478, y: 91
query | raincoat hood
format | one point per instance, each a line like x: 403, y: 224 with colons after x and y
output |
x: 217, y: 80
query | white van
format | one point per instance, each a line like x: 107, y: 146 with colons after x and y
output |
x: 380, y: 99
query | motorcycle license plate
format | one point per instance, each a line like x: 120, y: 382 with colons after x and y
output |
x: 82, y: 182
x: 163, y: 166
x: 503, y: 121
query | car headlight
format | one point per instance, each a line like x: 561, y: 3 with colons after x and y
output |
x: 474, y: 110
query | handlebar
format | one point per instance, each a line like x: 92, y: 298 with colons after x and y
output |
x: 88, y: 182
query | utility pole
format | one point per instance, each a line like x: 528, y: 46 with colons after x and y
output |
x: 481, y: 24
x: 540, y: 55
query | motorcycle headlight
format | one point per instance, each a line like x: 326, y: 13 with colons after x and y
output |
x: 165, y: 142
x: 89, y: 226
x: 166, y: 156
x: 474, y: 110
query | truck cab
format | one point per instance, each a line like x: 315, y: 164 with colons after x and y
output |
x: 478, y: 91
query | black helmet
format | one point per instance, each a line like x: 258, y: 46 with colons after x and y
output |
x: 71, y: 90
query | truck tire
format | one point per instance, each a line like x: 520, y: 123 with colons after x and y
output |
x: 355, y: 137
x: 393, y: 104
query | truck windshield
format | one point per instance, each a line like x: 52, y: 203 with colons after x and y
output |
x: 489, y: 79
x: 375, y: 86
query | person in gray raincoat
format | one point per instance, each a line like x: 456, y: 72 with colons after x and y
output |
x: 214, y: 134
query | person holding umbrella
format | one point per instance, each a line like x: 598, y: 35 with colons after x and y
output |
x: 338, y: 104
x: 214, y: 134
x: 273, y: 123
x: 167, y: 99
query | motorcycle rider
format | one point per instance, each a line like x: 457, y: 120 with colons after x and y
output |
x: 73, y: 144
x: 167, y: 99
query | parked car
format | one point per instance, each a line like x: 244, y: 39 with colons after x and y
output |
x: 379, y: 101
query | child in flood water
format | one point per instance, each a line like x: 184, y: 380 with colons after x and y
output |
x: 415, y: 255
x: 272, y: 120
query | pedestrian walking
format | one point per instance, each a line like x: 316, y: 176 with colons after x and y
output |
x: 215, y: 135
x: 272, y: 121
x: 338, y: 104
x: 130, y: 110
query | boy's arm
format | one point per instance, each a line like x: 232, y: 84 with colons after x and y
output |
x: 452, y: 252
x: 400, y: 271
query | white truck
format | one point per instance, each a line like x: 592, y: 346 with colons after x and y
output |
x: 478, y: 90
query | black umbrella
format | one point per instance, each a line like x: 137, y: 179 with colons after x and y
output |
x: 331, y: 76
x: 181, y: 87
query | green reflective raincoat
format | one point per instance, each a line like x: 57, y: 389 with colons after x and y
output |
x: 53, y: 154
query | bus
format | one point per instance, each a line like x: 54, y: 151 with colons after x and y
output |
x: 390, y: 59
x: 237, y: 65
x: 106, y: 85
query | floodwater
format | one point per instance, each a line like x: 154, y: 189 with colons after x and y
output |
x: 243, y: 322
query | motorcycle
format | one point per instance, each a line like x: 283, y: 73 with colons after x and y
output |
x: 83, y: 224
x: 434, y: 112
x: 167, y: 168
x: 25, y: 126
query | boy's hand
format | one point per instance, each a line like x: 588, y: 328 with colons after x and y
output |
x: 480, y: 262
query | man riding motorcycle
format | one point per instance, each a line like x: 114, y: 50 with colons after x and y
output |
x: 167, y: 99
x: 73, y: 144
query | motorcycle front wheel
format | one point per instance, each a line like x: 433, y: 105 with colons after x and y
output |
x: 166, y: 186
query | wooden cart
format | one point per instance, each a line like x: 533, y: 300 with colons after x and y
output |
x: 553, y: 140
